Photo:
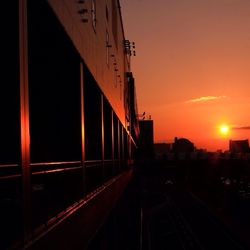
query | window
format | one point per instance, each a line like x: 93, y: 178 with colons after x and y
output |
x: 54, y: 87
x: 10, y: 171
x: 55, y: 115
x: 107, y: 130
x: 9, y: 88
x: 92, y: 118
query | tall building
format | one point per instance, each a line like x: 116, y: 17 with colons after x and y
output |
x: 146, y: 139
x: 68, y: 126
x: 239, y: 146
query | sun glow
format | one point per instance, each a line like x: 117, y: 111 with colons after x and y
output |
x: 224, y: 130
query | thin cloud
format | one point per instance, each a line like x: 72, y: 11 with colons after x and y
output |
x: 205, y: 98
x: 241, y: 127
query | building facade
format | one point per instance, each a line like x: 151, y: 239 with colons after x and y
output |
x: 239, y: 146
x: 68, y: 128
x: 146, y: 140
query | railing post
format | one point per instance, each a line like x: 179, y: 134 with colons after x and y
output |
x: 102, y: 135
x: 113, y: 141
x: 24, y: 114
x: 83, y: 127
x: 119, y: 146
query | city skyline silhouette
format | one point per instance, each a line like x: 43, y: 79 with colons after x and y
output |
x: 192, y: 67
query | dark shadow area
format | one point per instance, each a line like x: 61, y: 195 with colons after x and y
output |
x: 54, y: 88
x: 121, y: 230
x: 197, y: 204
x: 92, y: 118
x: 180, y: 204
x: 10, y: 170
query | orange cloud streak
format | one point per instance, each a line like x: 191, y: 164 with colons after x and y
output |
x: 205, y: 99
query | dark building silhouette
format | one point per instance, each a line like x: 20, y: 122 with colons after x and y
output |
x: 68, y: 125
x: 182, y: 145
x: 162, y: 149
x: 146, y: 139
x: 239, y: 146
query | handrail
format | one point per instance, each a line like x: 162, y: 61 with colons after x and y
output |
x: 10, y: 176
x: 56, y: 170
x: 93, y: 163
x: 8, y: 165
x: 55, y: 163
x: 9, y: 171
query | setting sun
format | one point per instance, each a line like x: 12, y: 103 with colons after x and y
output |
x: 224, y: 129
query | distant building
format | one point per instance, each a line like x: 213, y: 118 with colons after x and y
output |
x: 146, y: 139
x: 182, y: 145
x: 162, y: 149
x: 239, y: 146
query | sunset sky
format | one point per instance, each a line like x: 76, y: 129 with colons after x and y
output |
x: 192, y: 68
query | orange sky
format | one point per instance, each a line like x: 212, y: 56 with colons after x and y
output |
x: 192, y: 67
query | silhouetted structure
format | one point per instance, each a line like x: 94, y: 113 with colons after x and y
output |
x: 162, y: 149
x: 146, y: 139
x: 239, y: 146
x: 68, y: 126
x: 182, y: 145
